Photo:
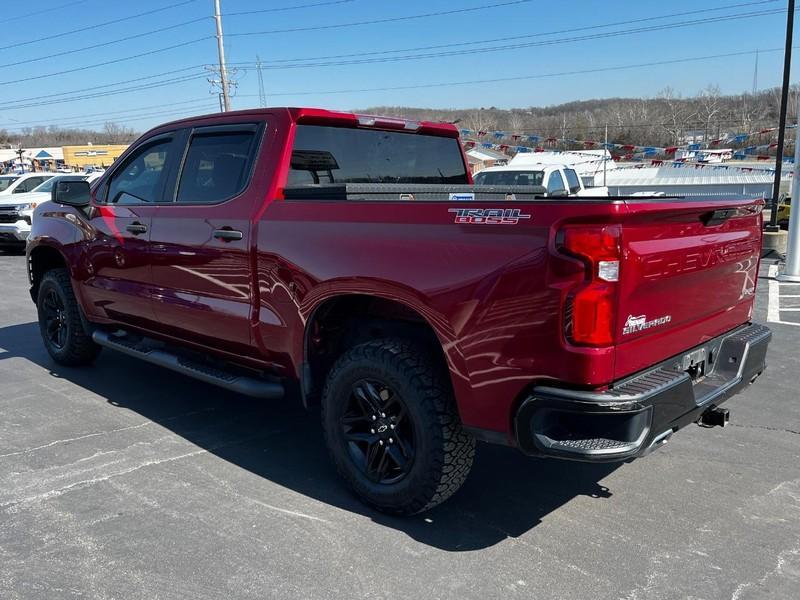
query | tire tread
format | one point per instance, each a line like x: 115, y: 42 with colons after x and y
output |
x: 453, y: 463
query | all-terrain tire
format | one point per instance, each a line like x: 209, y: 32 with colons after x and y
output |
x: 56, y: 300
x: 443, y: 451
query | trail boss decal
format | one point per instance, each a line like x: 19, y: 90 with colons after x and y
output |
x: 640, y: 323
x: 488, y: 216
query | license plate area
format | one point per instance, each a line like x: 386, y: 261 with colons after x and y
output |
x: 696, y: 363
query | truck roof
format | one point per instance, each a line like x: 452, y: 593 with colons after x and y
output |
x: 526, y: 167
x: 320, y: 116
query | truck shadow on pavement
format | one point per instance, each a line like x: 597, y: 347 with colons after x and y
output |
x: 506, y: 495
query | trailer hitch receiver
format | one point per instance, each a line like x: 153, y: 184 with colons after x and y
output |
x: 715, y: 417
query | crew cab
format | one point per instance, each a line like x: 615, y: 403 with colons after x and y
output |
x: 21, y: 183
x: 349, y: 261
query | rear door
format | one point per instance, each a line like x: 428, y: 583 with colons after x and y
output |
x: 688, y: 274
x: 120, y: 286
x: 201, y: 240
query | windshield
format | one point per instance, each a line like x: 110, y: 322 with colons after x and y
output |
x: 47, y: 186
x: 5, y: 182
x: 509, y: 178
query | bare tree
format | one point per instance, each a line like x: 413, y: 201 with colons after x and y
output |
x: 676, y: 114
x: 480, y: 120
x: 709, y: 100
x: 118, y: 134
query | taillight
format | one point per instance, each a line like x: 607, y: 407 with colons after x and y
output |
x: 591, y: 305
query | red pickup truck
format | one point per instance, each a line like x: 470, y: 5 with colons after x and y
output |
x: 348, y: 261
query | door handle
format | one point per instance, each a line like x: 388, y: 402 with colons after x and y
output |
x: 136, y: 228
x: 228, y: 235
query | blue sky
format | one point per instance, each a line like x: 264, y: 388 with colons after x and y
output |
x: 462, y: 37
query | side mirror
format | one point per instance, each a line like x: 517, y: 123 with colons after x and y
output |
x: 71, y: 193
x: 559, y: 194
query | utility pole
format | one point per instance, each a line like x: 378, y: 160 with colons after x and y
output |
x: 605, y: 160
x: 223, y: 70
x: 755, y: 75
x: 787, y: 64
x: 262, y: 97
x: 791, y: 272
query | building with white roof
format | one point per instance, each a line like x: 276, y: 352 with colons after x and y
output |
x: 689, y: 181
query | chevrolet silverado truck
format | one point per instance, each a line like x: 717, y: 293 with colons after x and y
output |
x: 349, y: 262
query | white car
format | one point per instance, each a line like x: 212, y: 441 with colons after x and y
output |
x: 22, y: 183
x: 561, y: 181
x: 16, y: 208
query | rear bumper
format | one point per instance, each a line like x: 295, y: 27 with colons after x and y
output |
x: 638, y: 414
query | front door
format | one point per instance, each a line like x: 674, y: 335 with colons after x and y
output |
x: 200, y: 242
x: 119, y: 285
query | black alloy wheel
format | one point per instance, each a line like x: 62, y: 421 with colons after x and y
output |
x: 64, y: 330
x: 392, y: 426
x: 56, y: 323
x: 378, y: 432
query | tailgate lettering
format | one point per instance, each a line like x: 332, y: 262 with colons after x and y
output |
x: 677, y: 262
x: 488, y: 216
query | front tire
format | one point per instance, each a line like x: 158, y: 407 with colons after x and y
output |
x: 63, y: 332
x: 392, y: 427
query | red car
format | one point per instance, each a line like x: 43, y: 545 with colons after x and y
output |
x: 349, y: 261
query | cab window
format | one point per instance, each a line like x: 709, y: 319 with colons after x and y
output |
x: 573, y: 181
x: 217, y: 166
x: 555, y: 184
x: 141, y: 177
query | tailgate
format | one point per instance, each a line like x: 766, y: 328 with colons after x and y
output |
x: 688, y: 273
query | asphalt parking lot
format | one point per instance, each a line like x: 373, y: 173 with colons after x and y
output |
x: 126, y: 481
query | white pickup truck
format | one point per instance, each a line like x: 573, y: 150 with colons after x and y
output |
x: 560, y: 181
x: 16, y: 208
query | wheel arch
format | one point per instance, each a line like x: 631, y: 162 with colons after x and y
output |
x: 41, y: 259
x: 344, y: 320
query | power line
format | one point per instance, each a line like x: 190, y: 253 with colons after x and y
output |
x: 288, y: 8
x: 107, y: 115
x: 174, y: 46
x: 95, y: 26
x: 43, y: 11
x: 17, y: 103
x: 108, y: 62
x: 118, y: 40
x: 387, y: 20
x: 50, y: 100
x: 137, y: 118
x: 148, y: 87
x: 525, y: 77
x: 506, y: 47
x: 526, y: 36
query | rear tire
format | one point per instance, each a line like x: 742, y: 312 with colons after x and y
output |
x: 392, y: 427
x: 60, y: 323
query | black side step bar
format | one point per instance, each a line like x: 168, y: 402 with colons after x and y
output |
x: 249, y: 386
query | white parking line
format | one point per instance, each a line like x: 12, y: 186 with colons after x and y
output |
x: 774, y: 304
